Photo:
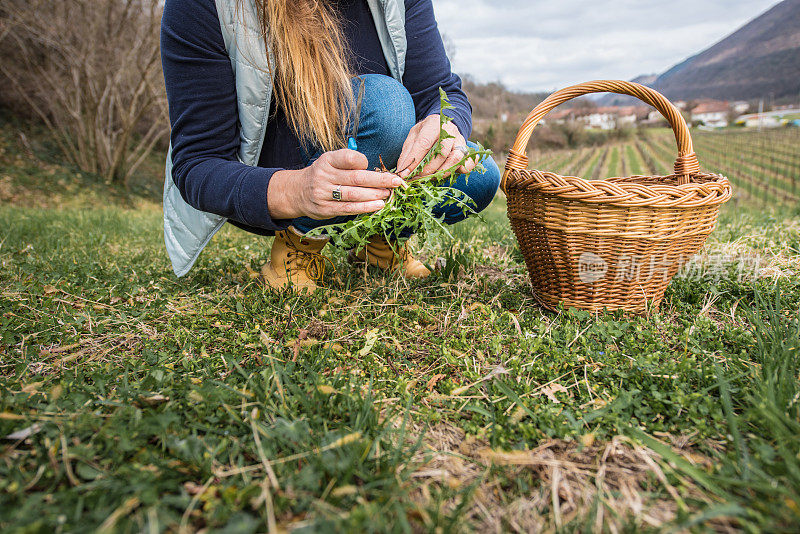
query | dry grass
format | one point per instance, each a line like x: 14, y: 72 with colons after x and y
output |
x: 599, y: 486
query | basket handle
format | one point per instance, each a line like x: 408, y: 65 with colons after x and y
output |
x: 686, y: 163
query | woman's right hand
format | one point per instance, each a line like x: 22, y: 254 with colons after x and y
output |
x: 309, y: 192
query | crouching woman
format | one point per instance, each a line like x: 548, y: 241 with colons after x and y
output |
x: 262, y: 99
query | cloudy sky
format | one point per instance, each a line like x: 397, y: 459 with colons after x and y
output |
x: 538, y: 45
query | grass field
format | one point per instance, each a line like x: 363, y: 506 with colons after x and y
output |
x: 133, y: 401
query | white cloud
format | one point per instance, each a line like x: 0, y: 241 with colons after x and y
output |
x: 537, y: 45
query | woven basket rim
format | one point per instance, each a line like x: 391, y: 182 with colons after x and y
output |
x: 703, y: 189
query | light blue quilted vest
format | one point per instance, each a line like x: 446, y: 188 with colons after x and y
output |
x: 188, y: 230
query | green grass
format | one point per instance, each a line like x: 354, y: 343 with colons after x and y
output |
x: 161, y: 404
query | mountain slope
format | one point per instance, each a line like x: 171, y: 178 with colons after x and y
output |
x: 760, y: 59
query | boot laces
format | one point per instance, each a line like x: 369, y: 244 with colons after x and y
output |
x: 314, y: 263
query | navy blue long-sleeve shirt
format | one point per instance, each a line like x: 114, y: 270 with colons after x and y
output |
x: 203, y: 109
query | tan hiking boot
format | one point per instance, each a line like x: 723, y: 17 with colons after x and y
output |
x: 295, y: 261
x: 379, y: 253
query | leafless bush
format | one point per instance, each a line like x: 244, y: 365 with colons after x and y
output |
x: 90, y: 70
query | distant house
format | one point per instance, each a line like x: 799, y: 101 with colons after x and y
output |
x: 560, y: 116
x: 600, y: 118
x: 630, y: 115
x: 603, y: 121
x: 712, y: 113
x: 653, y: 118
x: 740, y: 106
x: 758, y: 120
x: 769, y: 119
x: 610, y: 117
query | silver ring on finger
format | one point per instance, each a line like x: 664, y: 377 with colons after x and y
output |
x: 337, y: 194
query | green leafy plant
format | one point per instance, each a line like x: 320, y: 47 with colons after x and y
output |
x: 409, y: 210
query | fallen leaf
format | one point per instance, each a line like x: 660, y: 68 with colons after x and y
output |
x: 479, y: 306
x: 345, y: 440
x: 695, y: 458
x: 326, y: 389
x: 499, y: 369
x: 371, y: 338
x: 518, y: 415
x: 410, y: 385
x: 56, y: 392
x: 25, y: 432
x: 154, y: 400
x: 462, y: 389
x: 344, y: 491
x: 599, y: 403
x: 550, y: 391
x: 33, y: 387
x: 433, y: 381
x: 507, y: 457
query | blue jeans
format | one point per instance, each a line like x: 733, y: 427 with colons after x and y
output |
x: 387, y: 115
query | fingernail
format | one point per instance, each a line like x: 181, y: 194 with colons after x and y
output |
x: 381, y: 204
x: 397, y: 182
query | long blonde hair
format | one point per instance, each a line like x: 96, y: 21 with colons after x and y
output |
x: 312, y: 78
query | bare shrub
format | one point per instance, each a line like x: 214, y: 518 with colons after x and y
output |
x: 91, y: 70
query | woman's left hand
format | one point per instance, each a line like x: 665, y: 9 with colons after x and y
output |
x: 420, y: 140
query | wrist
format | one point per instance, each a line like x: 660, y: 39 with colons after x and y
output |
x: 281, y: 204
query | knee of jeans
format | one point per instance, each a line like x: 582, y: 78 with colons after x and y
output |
x: 486, y: 184
x: 390, y: 112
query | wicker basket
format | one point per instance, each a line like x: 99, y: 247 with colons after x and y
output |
x: 613, y: 243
